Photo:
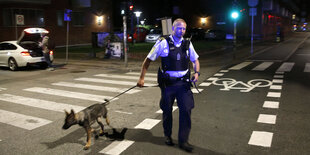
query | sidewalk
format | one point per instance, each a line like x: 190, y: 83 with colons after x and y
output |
x: 283, y: 50
x: 263, y: 51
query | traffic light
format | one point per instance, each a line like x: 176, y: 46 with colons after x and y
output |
x: 130, y: 7
x: 234, y: 15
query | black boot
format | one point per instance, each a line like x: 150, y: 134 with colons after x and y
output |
x: 186, y: 146
x: 169, y: 141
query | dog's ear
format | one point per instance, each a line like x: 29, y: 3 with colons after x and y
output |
x: 72, y: 111
x: 67, y: 113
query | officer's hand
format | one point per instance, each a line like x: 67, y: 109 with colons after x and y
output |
x: 195, y: 78
x: 140, y: 83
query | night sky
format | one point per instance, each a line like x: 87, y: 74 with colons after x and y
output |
x: 153, y: 9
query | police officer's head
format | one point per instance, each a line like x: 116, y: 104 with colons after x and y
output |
x: 178, y: 28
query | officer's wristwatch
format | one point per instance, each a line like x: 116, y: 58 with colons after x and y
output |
x: 197, y: 73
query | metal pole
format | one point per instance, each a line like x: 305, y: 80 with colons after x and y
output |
x: 235, y: 33
x: 235, y: 39
x: 125, y: 40
x: 67, y: 42
x: 137, y: 29
x: 252, y: 34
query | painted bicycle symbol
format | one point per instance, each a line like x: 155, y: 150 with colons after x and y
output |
x: 229, y: 84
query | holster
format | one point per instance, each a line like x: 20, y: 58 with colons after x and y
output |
x: 162, y: 78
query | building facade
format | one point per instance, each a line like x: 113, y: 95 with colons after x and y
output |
x: 87, y: 16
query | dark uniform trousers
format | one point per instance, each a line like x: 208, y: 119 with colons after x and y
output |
x: 181, y: 91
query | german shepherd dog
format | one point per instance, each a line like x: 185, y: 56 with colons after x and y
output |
x: 86, y: 118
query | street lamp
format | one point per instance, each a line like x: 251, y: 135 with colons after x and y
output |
x: 203, y: 21
x: 138, y: 13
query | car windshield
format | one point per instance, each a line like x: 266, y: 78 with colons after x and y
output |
x: 155, y: 31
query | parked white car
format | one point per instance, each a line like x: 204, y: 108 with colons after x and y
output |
x: 25, y: 51
x: 153, y: 36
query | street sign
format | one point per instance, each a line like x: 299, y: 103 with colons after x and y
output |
x: 19, y: 19
x: 67, y: 15
x: 252, y: 3
x: 253, y: 11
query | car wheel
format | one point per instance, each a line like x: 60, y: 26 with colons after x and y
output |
x: 12, y: 64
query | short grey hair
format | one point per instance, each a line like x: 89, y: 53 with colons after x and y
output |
x: 178, y: 20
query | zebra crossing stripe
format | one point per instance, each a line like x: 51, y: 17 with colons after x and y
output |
x: 224, y: 71
x: 277, y: 81
x: 268, y: 119
x: 125, y: 77
x: 276, y: 87
x: 22, y: 121
x: 307, y: 67
x: 136, y: 73
x: 286, y: 67
x: 271, y: 104
x: 261, y: 138
x: 70, y: 94
x: 147, y: 124
x: 117, y: 82
x: 194, y: 90
x: 279, y: 76
x: 206, y: 84
x: 240, y: 66
x: 38, y: 103
x: 218, y: 74
x: 274, y: 94
x: 263, y: 66
x: 93, y: 87
x: 117, y: 147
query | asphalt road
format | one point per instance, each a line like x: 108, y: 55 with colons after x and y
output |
x: 257, y: 106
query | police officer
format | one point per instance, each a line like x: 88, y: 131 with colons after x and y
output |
x: 176, y: 53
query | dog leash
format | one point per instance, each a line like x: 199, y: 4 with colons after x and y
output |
x: 108, y: 101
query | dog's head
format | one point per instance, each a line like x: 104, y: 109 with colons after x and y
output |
x: 69, y: 120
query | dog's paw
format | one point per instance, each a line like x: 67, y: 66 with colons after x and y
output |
x: 86, y: 147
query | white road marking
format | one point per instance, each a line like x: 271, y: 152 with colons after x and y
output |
x: 117, y: 147
x: 42, y: 104
x: 277, y: 81
x: 261, y: 138
x: 70, y: 94
x: 224, y: 71
x: 212, y: 79
x: 274, y: 94
x: 276, y: 87
x: 22, y: 121
x: 218, y: 74
x: 117, y: 82
x: 194, y: 90
x: 286, y: 67
x: 1, y: 89
x: 123, y: 112
x: 240, y: 66
x: 307, y: 67
x: 205, y: 84
x: 173, y: 109
x: 279, y: 76
x: 279, y: 72
x: 125, y: 77
x: 93, y: 87
x: 137, y: 73
x: 263, y: 66
x: 271, y: 104
x: 147, y: 124
x: 268, y: 119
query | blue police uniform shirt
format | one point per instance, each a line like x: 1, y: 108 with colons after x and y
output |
x: 161, y: 48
